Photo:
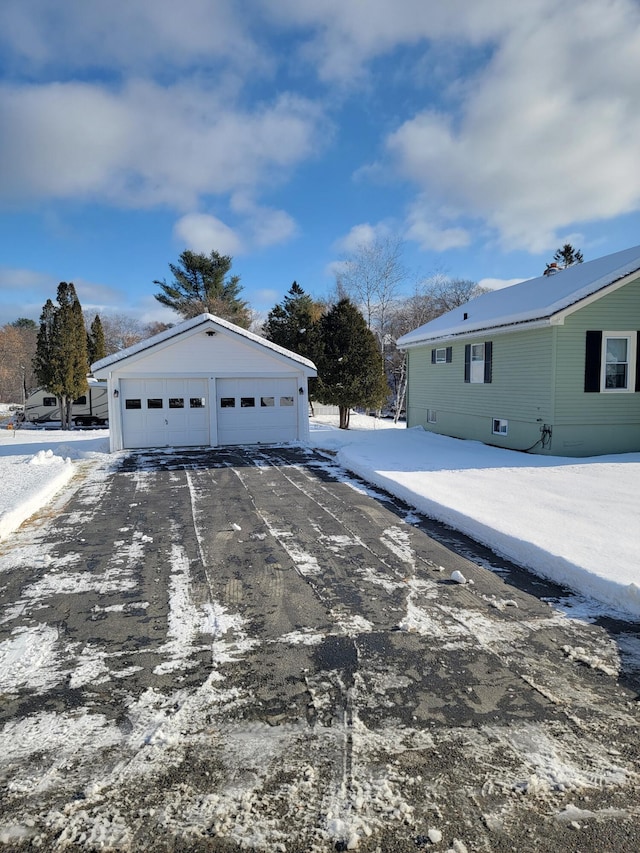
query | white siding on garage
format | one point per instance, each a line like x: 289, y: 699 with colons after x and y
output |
x: 164, y: 412
x: 257, y: 410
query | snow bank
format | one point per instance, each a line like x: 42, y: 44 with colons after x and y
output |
x: 574, y: 521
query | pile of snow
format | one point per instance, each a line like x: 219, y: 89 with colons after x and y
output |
x: 574, y: 521
x: 35, y: 464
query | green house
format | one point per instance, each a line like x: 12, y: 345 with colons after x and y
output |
x: 550, y: 365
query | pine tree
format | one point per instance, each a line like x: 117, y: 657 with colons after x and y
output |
x: 96, y: 347
x: 567, y: 256
x: 350, y: 369
x: 199, y: 286
x: 60, y: 362
x: 293, y: 324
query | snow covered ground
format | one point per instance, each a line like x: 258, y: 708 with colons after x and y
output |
x: 575, y: 521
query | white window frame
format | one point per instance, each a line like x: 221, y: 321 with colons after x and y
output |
x: 441, y: 355
x: 431, y: 416
x: 630, y: 338
x: 499, y: 426
x: 476, y: 368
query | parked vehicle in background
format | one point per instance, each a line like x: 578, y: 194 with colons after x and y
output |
x: 90, y: 409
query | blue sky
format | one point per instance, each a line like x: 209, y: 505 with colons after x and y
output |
x: 286, y: 133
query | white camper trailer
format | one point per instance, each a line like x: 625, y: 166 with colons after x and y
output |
x: 90, y: 409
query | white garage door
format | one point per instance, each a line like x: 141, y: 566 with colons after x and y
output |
x: 256, y: 411
x: 164, y: 412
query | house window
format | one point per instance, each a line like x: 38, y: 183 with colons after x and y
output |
x: 612, y: 362
x: 500, y: 427
x: 616, y: 358
x: 442, y: 355
x: 431, y: 416
x: 48, y: 401
x: 478, y: 362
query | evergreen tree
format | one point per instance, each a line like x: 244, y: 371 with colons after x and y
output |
x: 350, y: 369
x: 567, y: 256
x: 96, y: 347
x: 293, y: 324
x: 61, y: 362
x: 200, y: 286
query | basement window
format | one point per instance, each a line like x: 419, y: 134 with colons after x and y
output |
x: 431, y: 416
x: 500, y: 427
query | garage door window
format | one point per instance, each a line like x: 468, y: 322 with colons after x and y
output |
x: 154, y: 403
x: 196, y: 403
x: 247, y: 402
x: 267, y: 402
x: 133, y: 404
x: 227, y: 402
x: 286, y: 401
x: 176, y: 402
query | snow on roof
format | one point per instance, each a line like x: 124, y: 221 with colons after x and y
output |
x: 533, y: 300
x: 192, y: 323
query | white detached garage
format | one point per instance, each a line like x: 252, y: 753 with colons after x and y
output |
x: 205, y: 382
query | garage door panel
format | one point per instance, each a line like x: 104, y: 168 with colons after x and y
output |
x: 256, y: 410
x: 164, y: 412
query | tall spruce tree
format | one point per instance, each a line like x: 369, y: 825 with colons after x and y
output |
x: 60, y: 362
x: 350, y: 368
x: 567, y: 256
x: 96, y: 347
x: 292, y: 324
x: 200, y: 285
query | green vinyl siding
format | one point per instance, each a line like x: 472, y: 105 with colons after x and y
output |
x: 617, y: 311
x: 465, y: 409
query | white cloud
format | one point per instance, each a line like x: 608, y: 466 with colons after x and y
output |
x: 142, y: 35
x: 339, y: 38
x: 362, y: 235
x: 203, y: 233
x: 145, y: 145
x: 265, y: 226
x: 548, y: 131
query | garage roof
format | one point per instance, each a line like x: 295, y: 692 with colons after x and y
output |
x: 193, y: 323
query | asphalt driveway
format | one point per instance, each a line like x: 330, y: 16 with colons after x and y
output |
x: 249, y: 650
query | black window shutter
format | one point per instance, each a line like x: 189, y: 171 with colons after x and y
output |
x: 488, y: 359
x: 637, y: 361
x: 593, y: 355
x: 467, y: 362
x: 433, y: 356
x: 450, y: 354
